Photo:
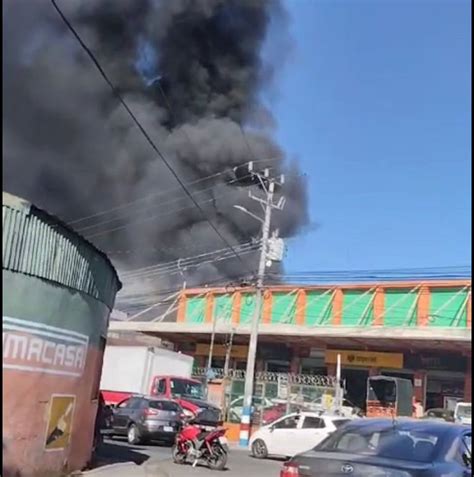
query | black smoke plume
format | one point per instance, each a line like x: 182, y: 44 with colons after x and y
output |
x: 193, y: 73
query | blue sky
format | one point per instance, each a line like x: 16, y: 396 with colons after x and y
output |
x: 375, y: 103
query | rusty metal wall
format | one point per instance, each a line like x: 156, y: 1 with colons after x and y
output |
x: 58, y: 292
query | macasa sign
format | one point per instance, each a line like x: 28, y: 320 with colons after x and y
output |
x: 366, y: 359
x: 36, y: 347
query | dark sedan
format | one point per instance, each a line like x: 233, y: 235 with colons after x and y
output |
x: 142, y: 419
x: 386, y: 448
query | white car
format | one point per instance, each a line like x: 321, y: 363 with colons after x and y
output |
x: 347, y: 409
x: 463, y: 413
x: 236, y: 407
x: 293, y: 434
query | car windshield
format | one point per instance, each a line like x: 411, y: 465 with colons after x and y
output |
x: 417, y: 446
x: 464, y: 410
x: 184, y: 387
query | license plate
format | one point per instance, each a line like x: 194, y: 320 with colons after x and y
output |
x: 168, y: 429
x: 223, y: 441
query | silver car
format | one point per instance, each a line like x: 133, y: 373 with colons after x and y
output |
x: 142, y: 419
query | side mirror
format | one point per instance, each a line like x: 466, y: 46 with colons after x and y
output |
x: 467, y: 459
x: 272, y: 428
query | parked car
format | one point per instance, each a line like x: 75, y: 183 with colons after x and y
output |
x: 463, y: 413
x: 347, y: 409
x: 405, y: 447
x: 142, y: 419
x: 279, y: 409
x: 293, y: 434
x: 439, y: 414
x: 236, y: 407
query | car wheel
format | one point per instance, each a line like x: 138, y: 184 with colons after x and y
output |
x: 259, y: 449
x: 133, y: 435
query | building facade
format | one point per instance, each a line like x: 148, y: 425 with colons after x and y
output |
x: 417, y: 330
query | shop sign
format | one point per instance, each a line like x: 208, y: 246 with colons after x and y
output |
x: 36, y: 347
x: 436, y: 363
x: 220, y: 351
x: 366, y: 359
x: 59, y: 426
x: 273, y: 351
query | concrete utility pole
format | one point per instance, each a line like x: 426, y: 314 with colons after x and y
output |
x: 268, y: 185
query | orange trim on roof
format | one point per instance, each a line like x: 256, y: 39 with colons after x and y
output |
x: 379, y: 306
x: 423, y: 310
x: 181, y: 316
x: 236, y: 304
x: 345, y: 286
x: 267, y: 307
x: 300, y: 314
x: 337, y: 306
x: 208, y: 317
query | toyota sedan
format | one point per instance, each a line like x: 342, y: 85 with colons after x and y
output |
x: 388, y: 448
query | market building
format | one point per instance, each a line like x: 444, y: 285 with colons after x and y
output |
x: 418, y: 330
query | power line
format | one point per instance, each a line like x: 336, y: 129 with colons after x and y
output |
x: 151, y: 217
x: 177, y: 199
x: 154, y: 195
x: 185, y: 261
x: 177, y: 268
x: 142, y: 129
x: 141, y: 199
x: 174, y: 271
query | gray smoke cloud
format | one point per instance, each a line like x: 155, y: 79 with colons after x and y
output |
x: 193, y: 73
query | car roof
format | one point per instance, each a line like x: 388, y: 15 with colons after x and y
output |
x: 153, y: 398
x: 318, y: 415
x: 407, y: 424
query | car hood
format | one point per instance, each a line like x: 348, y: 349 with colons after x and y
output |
x: 332, y: 464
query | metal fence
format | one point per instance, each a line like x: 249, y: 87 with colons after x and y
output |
x: 275, y: 394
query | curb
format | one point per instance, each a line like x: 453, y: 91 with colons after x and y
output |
x: 111, y: 468
x: 153, y: 469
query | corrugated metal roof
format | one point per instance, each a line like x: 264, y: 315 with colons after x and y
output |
x: 38, y: 244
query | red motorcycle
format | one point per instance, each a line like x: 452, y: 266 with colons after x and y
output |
x: 195, y: 444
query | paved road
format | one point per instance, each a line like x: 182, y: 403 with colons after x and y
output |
x: 240, y: 463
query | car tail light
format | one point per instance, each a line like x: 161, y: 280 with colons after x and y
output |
x: 290, y: 469
x: 151, y: 412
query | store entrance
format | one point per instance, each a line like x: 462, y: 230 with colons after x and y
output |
x: 356, y: 386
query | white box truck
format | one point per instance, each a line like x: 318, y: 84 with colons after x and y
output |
x: 151, y: 371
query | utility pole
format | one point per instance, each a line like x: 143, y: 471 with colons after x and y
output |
x: 228, y: 354
x: 268, y: 185
x: 209, y: 372
x: 182, y: 271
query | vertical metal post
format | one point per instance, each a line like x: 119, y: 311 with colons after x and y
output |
x: 338, y: 400
x: 228, y: 354
x: 211, y: 346
x: 250, y: 372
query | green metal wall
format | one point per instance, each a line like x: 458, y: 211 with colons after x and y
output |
x: 283, y: 308
x: 319, y: 307
x: 357, y: 309
x: 400, y: 308
x: 447, y: 307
